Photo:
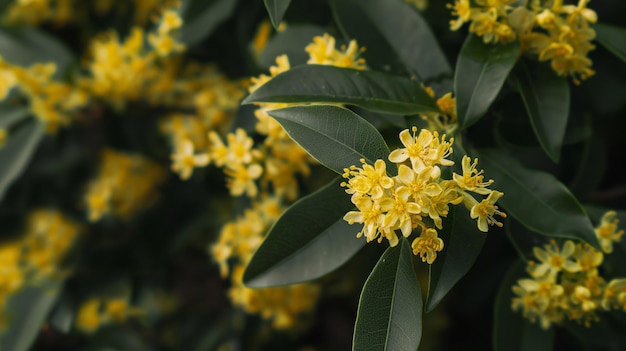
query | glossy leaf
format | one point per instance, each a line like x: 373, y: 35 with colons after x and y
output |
x: 27, y: 311
x: 201, y: 17
x: 337, y: 137
x: 371, y: 90
x: 511, y: 332
x: 390, y: 308
x: 613, y: 38
x: 17, y: 152
x: 26, y: 46
x: 290, y: 42
x: 308, y: 241
x: 462, y: 245
x: 536, y: 199
x: 393, y: 33
x: 276, y: 9
x: 547, y: 99
x: 481, y: 70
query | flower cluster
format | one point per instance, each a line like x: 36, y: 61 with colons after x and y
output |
x: 125, y: 185
x: 565, y: 282
x: 445, y: 120
x: 52, y: 102
x: 237, y: 242
x: 37, y: 256
x: 418, y: 197
x: 550, y: 30
x: 130, y: 70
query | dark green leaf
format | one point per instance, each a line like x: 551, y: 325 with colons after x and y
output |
x: 14, y: 156
x: 10, y: 115
x: 26, y: 46
x: 309, y: 240
x: 613, y: 38
x: 290, y: 42
x: 462, y: 244
x: 537, y: 199
x: 337, y: 137
x: 547, y: 99
x: 276, y: 9
x: 481, y: 70
x: 201, y: 17
x: 371, y: 90
x: 27, y: 311
x: 390, y: 308
x: 511, y: 332
x: 393, y: 32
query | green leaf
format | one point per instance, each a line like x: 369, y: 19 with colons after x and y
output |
x: 547, y: 99
x: 481, y: 70
x: 201, y: 17
x: 390, y: 308
x: 276, y: 9
x: 10, y: 115
x: 511, y: 332
x: 27, y: 311
x: 536, y: 199
x: 290, y: 42
x: 393, y: 33
x: 17, y: 152
x: 370, y: 90
x: 26, y: 46
x: 613, y: 38
x: 335, y: 136
x: 309, y: 240
x: 462, y: 244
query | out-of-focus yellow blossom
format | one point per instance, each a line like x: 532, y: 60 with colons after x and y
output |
x: 566, y: 284
x: 417, y: 197
x: 125, y: 185
x: 11, y: 271
x: 322, y: 51
x: 121, y: 72
x: 184, y: 160
x: 95, y: 312
x: 51, y: 102
x: 38, y: 256
x: 33, y: 12
x: 3, y: 137
x: 607, y: 232
x: 549, y: 30
x: 238, y: 240
x: 259, y: 42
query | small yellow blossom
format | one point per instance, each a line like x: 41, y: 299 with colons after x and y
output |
x: 89, y: 317
x: 261, y: 38
x: 554, y: 259
x: 607, y: 232
x: 486, y: 210
x: 184, y: 160
x: 427, y: 245
x: 472, y: 179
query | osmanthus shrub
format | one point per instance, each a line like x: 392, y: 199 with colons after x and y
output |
x: 201, y: 174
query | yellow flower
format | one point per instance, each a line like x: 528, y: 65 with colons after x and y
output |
x: 259, y: 42
x: 241, y: 179
x: 486, y: 210
x: 554, y: 259
x: 472, y: 179
x: 399, y: 210
x: 170, y: 20
x: 538, y: 300
x: 89, y: 317
x: 370, y: 214
x: 427, y: 245
x: 372, y: 180
x: 424, y: 150
x: 607, y: 232
x: 184, y: 160
x: 420, y: 184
